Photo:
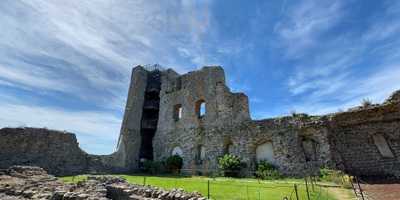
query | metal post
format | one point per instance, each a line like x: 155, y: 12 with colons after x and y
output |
x: 144, y: 180
x: 354, y: 187
x: 295, y: 190
x: 359, y: 187
x: 308, y: 194
x: 208, y: 189
x: 312, y: 183
x: 247, y: 192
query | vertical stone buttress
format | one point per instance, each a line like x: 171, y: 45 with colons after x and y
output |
x: 130, y: 137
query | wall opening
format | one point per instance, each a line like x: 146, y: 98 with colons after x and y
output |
x: 200, y: 154
x: 178, y: 112
x: 200, y: 108
x: 383, y: 146
x: 177, y: 151
x: 228, y: 147
x: 309, y: 147
x: 265, y: 152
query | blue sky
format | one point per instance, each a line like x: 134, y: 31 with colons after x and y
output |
x: 66, y: 64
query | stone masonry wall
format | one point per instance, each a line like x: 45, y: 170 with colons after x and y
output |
x: 191, y: 131
x: 352, y: 136
x: 227, y: 122
x: 301, y: 143
x: 58, y: 152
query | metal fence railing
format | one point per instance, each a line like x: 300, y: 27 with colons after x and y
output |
x: 237, y: 189
x: 212, y: 184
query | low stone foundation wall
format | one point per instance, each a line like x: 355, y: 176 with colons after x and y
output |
x: 25, y: 182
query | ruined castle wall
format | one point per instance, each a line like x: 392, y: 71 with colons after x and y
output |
x: 227, y: 127
x: 367, y: 141
x: 286, y: 136
x: 57, y: 152
x: 187, y: 90
x: 191, y: 131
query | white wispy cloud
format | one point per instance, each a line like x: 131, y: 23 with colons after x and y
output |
x: 85, y: 50
x: 329, y: 77
x: 303, y: 22
x: 101, y: 40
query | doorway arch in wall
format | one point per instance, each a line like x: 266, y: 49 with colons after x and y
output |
x: 310, y: 147
x: 265, y: 151
x: 228, y: 146
x: 177, y: 151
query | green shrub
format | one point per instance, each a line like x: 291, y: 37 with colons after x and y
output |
x: 335, y: 176
x: 174, y: 164
x: 230, y: 165
x: 266, y: 171
x: 153, y: 167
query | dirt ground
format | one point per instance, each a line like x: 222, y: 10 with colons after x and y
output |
x: 382, y: 191
x: 341, y: 193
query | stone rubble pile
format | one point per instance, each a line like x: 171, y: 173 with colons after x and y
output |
x: 24, y: 182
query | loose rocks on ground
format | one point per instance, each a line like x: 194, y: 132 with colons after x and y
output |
x: 25, y: 182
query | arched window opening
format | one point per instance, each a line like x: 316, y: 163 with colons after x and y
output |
x: 310, y: 149
x: 177, y: 112
x: 265, y: 152
x: 228, y: 148
x: 177, y: 151
x: 200, y: 108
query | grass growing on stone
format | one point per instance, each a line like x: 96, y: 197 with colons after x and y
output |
x: 228, y: 188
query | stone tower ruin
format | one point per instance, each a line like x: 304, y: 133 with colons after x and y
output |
x: 163, y: 107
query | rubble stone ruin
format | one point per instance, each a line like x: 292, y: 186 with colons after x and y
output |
x: 196, y: 116
x: 25, y: 182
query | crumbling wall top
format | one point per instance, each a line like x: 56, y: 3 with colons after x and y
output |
x: 394, y: 98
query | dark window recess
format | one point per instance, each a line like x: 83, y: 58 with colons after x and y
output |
x: 178, y: 83
x: 310, y: 149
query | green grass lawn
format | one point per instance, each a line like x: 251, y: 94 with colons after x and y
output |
x: 228, y: 188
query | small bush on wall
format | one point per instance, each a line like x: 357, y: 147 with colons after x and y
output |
x: 230, y: 165
x: 266, y: 170
x: 174, y: 164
